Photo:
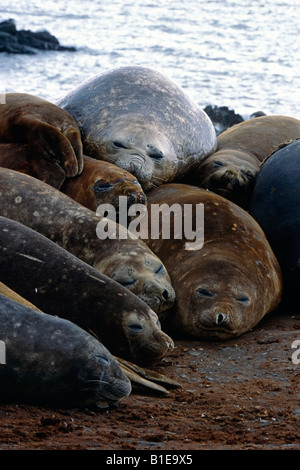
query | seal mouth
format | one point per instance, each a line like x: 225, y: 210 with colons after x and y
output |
x: 109, y: 396
x: 216, y: 332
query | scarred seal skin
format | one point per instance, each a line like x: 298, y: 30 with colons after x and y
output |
x: 275, y: 205
x: 72, y: 226
x: 99, y: 183
x: 52, y: 361
x: 60, y: 284
x: 50, y: 132
x: 226, y: 287
x: 140, y: 120
x: 231, y: 170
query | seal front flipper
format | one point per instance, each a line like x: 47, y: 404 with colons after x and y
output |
x: 49, y: 131
x: 147, y: 380
x: 49, y: 143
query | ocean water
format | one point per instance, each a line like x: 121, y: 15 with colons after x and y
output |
x: 236, y: 53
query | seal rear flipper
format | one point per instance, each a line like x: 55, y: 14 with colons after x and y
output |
x: 147, y: 380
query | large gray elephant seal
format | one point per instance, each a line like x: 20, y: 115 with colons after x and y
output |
x: 52, y: 361
x: 142, y: 121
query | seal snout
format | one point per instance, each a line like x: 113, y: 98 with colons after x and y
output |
x: 135, y: 197
x: 135, y: 164
x: 160, y: 297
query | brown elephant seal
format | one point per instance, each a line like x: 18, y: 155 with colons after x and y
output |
x: 50, y: 132
x: 226, y: 287
x: 60, y: 284
x: 74, y: 227
x: 52, y: 361
x: 142, y: 121
x: 231, y: 170
x: 102, y: 182
x: 99, y: 183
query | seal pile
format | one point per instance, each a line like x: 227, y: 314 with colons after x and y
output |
x: 128, y: 132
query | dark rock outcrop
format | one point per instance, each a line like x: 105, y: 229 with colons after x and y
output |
x: 222, y: 117
x: 27, y: 42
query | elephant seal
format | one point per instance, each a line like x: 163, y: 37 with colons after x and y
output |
x: 99, y: 183
x: 74, y: 227
x: 231, y: 170
x: 103, y: 183
x: 140, y: 120
x: 275, y: 205
x: 52, y: 361
x: 50, y: 132
x: 226, y: 287
x: 60, y: 284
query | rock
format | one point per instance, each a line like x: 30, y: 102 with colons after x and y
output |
x: 222, y: 117
x: 27, y: 42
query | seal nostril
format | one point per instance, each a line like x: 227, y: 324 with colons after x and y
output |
x: 165, y: 294
x: 220, y: 318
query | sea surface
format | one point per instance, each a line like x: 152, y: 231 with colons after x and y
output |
x: 236, y: 53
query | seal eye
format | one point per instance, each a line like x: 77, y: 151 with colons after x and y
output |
x: 118, y: 144
x: 204, y: 293
x: 160, y: 270
x: 244, y: 299
x: 156, y: 155
x: 103, y: 360
x: 153, y: 152
x: 217, y: 164
x: 135, y: 327
x: 127, y: 283
x: 101, y: 187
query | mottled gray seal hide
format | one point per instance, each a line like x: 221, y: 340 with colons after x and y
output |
x: 140, y: 120
x: 52, y: 361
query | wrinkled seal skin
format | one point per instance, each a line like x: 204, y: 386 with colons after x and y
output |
x: 50, y: 132
x: 140, y: 120
x: 52, y: 361
x: 102, y: 183
x: 99, y: 183
x: 72, y: 226
x: 60, y: 284
x: 275, y: 205
x: 231, y: 170
x: 225, y: 288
